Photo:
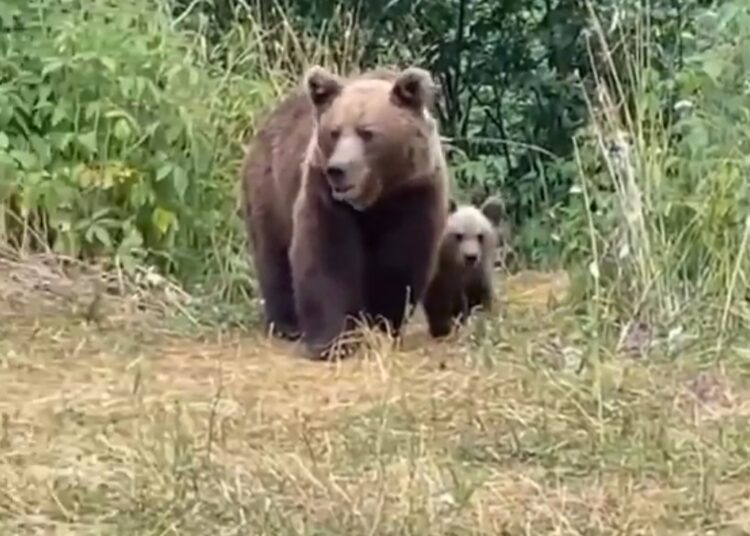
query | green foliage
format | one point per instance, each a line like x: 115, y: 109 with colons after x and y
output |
x: 119, y: 135
x: 661, y: 206
x: 714, y: 130
x: 121, y: 125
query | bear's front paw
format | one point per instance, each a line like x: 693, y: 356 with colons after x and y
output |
x: 287, y: 332
x: 441, y: 330
x: 330, y: 351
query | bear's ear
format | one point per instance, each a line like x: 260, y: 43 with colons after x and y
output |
x: 494, y: 209
x: 452, y: 205
x: 414, y: 88
x: 322, y: 86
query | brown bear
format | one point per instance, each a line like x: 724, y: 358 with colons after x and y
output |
x: 463, y: 279
x: 345, y: 198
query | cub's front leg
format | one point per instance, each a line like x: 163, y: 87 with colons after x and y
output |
x: 327, y: 265
x: 442, y: 302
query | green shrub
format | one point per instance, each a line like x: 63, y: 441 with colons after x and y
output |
x: 120, y: 135
x: 663, y: 192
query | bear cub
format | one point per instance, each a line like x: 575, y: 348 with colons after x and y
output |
x: 463, y: 279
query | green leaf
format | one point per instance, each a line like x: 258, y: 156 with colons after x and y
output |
x: 163, y: 171
x: 102, y: 235
x: 132, y: 240
x: 193, y: 77
x: 88, y: 140
x: 42, y: 150
x: 151, y: 129
x: 61, y: 141
x: 109, y: 63
x: 52, y: 66
x: 697, y: 138
x: 92, y: 109
x: 43, y: 95
x: 113, y: 114
x: 126, y: 86
x: 27, y: 160
x: 162, y: 219
x: 130, y: 244
x: 174, y: 132
x: 180, y: 181
x: 6, y: 160
x: 141, y: 194
x: 99, y: 214
x: 4, y: 141
x: 59, y: 114
x: 713, y: 67
x: 122, y: 130
x: 6, y: 16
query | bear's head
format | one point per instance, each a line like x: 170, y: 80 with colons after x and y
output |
x: 374, y: 133
x: 470, y: 237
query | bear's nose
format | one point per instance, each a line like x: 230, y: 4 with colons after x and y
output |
x: 336, y: 174
x: 471, y: 258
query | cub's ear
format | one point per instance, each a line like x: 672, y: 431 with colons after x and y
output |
x: 414, y: 89
x: 494, y: 209
x: 452, y: 205
x: 322, y: 86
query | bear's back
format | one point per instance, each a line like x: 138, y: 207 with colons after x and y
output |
x: 273, y: 164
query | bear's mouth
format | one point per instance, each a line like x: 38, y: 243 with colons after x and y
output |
x: 339, y: 190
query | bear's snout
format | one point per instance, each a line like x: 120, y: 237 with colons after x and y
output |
x: 336, y: 177
x: 471, y: 259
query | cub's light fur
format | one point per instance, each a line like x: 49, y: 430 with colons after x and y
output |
x: 463, y: 280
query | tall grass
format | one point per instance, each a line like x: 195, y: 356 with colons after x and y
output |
x: 670, y: 235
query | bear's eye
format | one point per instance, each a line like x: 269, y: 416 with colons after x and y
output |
x: 459, y: 237
x: 364, y: 133
x: 335, y: 133
x: 480, y: 238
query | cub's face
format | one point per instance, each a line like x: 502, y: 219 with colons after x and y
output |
x: 470, y: 237
x: 374, y: 134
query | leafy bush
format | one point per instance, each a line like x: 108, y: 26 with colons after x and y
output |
x: 120, y: 134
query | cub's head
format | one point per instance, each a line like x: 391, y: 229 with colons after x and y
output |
x: 375, y: 132
x: 470, y: 237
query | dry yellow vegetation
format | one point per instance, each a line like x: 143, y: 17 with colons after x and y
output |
x: 134, y: 425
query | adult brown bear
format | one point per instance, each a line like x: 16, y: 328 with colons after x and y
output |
x: 345, y: 197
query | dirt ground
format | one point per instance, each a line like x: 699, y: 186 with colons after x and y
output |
x: 120, y: 421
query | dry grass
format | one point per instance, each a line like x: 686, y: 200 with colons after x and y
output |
x: 130, y: 427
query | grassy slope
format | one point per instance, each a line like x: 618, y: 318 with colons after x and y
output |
x: 135, y: 427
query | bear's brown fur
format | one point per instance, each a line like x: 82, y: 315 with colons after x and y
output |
x: 345, y: 198
x: 463, y: 279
